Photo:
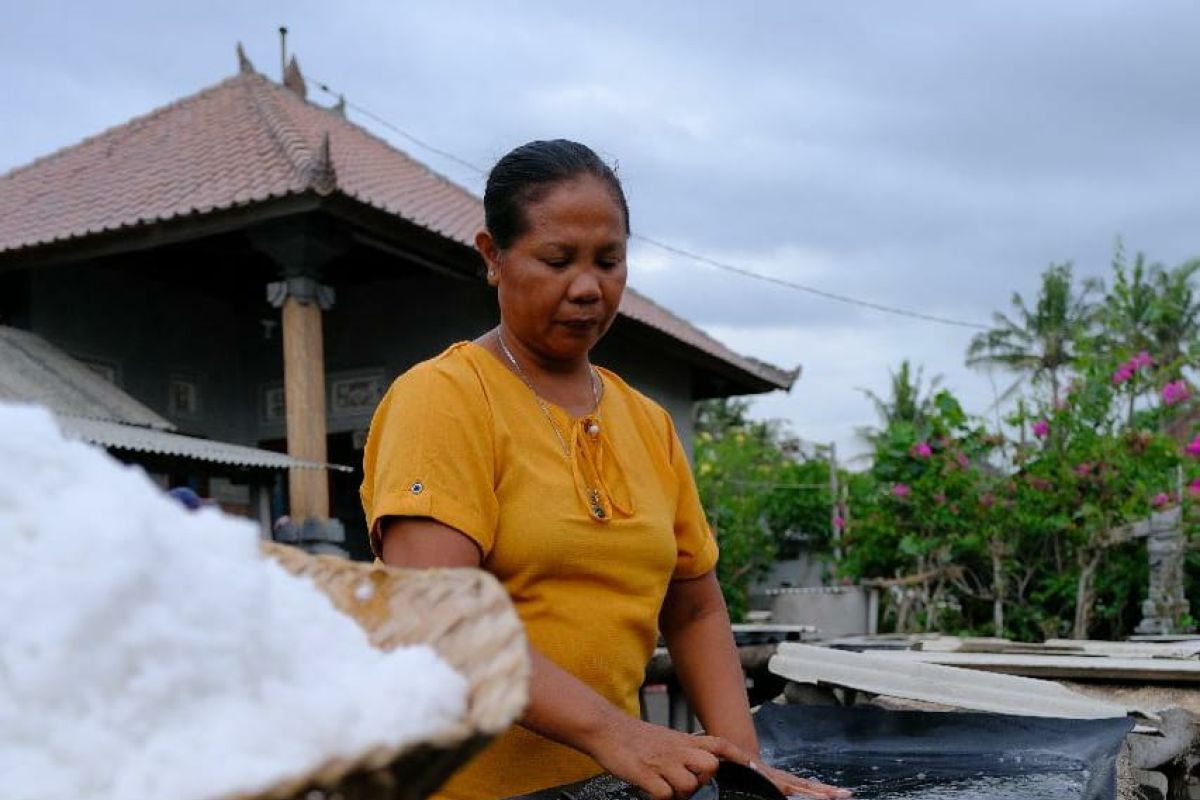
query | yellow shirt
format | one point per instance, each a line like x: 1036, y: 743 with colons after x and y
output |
x: 460, y: 438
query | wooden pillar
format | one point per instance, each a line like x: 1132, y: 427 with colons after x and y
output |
x: 302, y: 302
x: 302, y: 248
x: 304, y: 397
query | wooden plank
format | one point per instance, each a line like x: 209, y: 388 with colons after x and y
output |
x: 882, y: 673
x: 1059, y: 666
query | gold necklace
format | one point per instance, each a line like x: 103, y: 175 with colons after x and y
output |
x: 593, y: 428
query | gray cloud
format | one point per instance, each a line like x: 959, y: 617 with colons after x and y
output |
x: 929, y: 155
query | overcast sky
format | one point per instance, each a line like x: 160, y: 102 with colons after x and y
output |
x: 934, y: 156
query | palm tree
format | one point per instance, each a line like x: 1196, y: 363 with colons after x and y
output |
x: 1152, y: 308
x: 1038, y: 343
x: 1175, y: 321
x: 908, y: 400
x: 1130, y: 307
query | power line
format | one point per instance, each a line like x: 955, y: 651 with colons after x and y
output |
x: 324, y: 87
x: 840, y: 298
x: 679, y: 251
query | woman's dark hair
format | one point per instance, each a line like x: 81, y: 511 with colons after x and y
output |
x: 527, y: 173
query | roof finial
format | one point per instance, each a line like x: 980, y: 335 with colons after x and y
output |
x: 244, y: 65
x: 282, y: 51
x: 320, y: 173
x: 339, y: 107
x: 293, y: 79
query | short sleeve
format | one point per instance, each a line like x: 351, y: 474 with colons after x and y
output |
x: 694, y: 539
x: 430, y: 453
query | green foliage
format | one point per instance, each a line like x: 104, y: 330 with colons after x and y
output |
x: 759, y: 496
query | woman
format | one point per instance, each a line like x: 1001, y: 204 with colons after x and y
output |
x: 514, y: 454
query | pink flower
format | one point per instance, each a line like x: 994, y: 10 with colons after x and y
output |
x: 901, y: 491
x: 1124, y: 373
x: 1041, y: 429
x: 1083, y: 470
x: 1161, y: 499
x: 940, y: 498
x: 962, y: 460
x: 1193, y: 447
x: 987, y: 499
x: 921, y: 450
x: 1194, y: 487
x: 839, y: 522
x: 1142, y: 359
x: 1175, y: 392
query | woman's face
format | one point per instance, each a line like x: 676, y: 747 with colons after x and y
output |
x: 560, y: 283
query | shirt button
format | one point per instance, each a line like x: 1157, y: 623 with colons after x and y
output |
x: 418, y: 487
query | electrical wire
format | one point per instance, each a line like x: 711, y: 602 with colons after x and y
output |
x: 679, y: 251
x: 324, y: 87
x: 840, y: 298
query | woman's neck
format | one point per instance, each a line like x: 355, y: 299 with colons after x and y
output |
x: 567, y: 383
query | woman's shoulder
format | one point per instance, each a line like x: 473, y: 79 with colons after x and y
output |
x: 454, y: 371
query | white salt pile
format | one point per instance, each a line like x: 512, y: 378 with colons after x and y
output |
x: 147, y: 652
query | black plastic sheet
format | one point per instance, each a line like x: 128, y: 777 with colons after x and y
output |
x: 917, y: 755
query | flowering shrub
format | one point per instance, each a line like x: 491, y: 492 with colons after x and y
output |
x: 973, y: 532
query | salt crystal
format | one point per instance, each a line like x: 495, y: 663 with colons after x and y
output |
x: 151, y: 652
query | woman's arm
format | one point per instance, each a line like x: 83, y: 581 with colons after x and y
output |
x: 663, y: 762
x: 695, y: 624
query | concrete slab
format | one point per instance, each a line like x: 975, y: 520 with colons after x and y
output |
x: 882, y: 673
x: 1124, y: 670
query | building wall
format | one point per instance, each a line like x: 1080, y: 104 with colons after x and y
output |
x: 150, y: 335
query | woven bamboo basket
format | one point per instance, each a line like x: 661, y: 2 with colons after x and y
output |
x: 466, y: 616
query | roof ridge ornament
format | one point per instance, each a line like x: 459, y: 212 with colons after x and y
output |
x: 319, y: 173
x: 293, y: 79
x: 245, y: 66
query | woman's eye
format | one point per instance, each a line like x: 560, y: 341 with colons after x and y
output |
x: 557, y: 263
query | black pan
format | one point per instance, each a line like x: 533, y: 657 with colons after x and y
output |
x: 732, y: 782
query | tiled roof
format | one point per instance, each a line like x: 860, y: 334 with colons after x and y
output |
x: 248, y: 140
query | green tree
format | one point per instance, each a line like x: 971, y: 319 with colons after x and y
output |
x: 909, y: 400
x: 1129, y: 307
x: 761, y: 495
x: 1175, y: 321
x: 1039, y: 343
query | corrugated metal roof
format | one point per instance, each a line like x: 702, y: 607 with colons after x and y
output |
x: 34, y: 371
x: 248, y: 140
x: 90, y: 408
x: 148, y: 440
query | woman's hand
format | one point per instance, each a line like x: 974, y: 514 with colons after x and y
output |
x: 664, y: 763
x: 793, y: 786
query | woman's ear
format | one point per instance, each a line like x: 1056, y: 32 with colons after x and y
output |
x: 486, y: 246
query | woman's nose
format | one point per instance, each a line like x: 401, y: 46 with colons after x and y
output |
x: 585, y: 288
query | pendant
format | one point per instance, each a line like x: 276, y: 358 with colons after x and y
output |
x: 593, y: 429
x: 597, y: 506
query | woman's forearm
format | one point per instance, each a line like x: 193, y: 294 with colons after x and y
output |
x: 564, y: 708
x: 695, y: 624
